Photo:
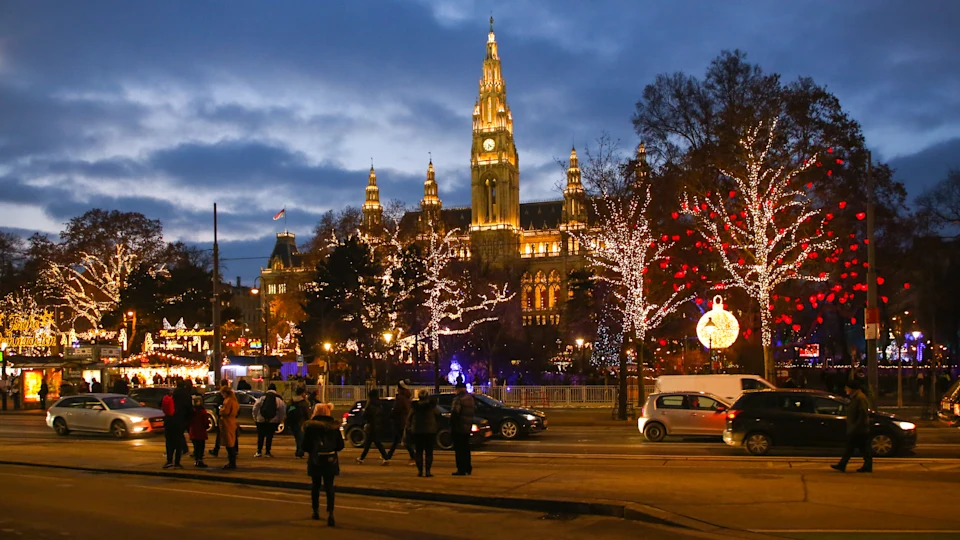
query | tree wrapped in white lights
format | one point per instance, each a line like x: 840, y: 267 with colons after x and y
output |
x: 91, y: 287
x: 446, y: 300
x: 623, y: 249
x: 764, y: 229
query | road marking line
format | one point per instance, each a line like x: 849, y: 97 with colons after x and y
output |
x: 32, y: 476
x: 261, y: 499
x: 853, y: 531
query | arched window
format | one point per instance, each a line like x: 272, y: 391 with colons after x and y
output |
x: 538, y: 296
x: 526, y: 297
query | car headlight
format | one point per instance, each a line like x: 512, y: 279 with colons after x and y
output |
x: 906, y: 426
x: 136, y: 419
x: 530, y: 417
x: 475, y: 428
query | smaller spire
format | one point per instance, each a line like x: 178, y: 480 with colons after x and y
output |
x: 641, y: 172
x: 491, y: 22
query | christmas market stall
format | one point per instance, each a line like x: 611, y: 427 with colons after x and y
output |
x: 159, y: 368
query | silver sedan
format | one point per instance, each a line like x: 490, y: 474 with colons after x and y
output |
x: 682, y: 413
x: 116, y: 414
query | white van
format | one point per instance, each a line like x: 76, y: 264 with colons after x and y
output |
x: 728, y: 387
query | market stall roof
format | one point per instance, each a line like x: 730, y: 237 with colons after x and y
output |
x: 156, y: 358
x: 268, y: 361
x: 49, y: 362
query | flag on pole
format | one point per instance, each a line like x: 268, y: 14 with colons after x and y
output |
x: 280, y: 214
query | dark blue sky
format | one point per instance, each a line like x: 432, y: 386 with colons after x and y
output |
x: 166, y: 107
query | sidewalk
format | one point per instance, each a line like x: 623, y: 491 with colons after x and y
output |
x: 707, y: 494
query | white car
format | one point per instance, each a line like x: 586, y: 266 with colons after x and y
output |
x: 727, y: 387
x: 116, y: 414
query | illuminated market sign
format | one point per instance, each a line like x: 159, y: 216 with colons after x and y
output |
x: 183, y: 333
x: 27, y: 330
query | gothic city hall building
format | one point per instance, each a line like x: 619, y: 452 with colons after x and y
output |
x: 537, y: 239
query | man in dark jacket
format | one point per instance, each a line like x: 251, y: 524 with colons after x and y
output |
x: 298, y: 412
x: 398, y: 420
x: 858, y: 429
x: 422, y: 423
x: 461, y: 421
x: 373, y: 420
x: 183, y: 401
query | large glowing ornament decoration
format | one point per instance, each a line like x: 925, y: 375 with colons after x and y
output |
x: 718, y: 328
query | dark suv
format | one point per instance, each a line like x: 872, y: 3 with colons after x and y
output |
x: 762, y: 419
x: 353, y: 433
x: 150, y: 396
x: 507, y: 422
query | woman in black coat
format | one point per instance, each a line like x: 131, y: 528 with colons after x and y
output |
x: 422, y: 422
x: 322, y: 439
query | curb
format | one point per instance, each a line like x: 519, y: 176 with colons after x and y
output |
x: 628, y: 511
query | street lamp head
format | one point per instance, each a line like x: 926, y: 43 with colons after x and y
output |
x: 254, y: 291
x: 130, y: 313
x: 916, y: 334
x: 579, y: 342
x: 327, y: 346
x: 388, y: 336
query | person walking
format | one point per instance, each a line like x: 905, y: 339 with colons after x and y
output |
x: 858, y: 429
x: 323, y: 441
x: 298, y: 412
x: 229, y: 428
x: 172, y: 429
x: 198, y: 431
x: 422, y: 423
x: 461, y: 421
x: 268, y: 412
x: 373, y: 419
x: 42, y: 394
x: 398, y: 421
x: 4, y: 386
x: 183, y: 400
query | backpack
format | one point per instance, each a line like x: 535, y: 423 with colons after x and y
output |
x: 324, y: 451
x: 268, y: 409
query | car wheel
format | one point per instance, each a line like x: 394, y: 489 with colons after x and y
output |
x: 509, y: 429
x: 654, y: 432
x: 60, y: 426
x: 357, y: 437
x: 757, y: 444
x: 118, y: 429
x: 280, y: 427
x: 211, y: 423
x: 883, y: 445
x: 445, y: 440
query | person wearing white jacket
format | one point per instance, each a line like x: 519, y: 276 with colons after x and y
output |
x: 269, y: 411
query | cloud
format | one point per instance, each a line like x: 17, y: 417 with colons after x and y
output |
x: 168, y: 107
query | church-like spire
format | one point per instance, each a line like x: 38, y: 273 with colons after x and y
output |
x: 491, y: 111
x: 573, y: 194
x: 430, y: 204
x: 372, y: 211
x: 641, y: 167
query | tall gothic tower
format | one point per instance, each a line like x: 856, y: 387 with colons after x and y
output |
x: 495, y: 167
x: 430, y: 204
x: 372, y: 211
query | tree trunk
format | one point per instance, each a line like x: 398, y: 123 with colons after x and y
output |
x: 622, y: 394
x: 769, y: 367
x: 766, y: 334
x: 640, y: 380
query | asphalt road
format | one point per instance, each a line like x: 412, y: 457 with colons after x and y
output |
x: 611, y: 439
x: 45, y: 504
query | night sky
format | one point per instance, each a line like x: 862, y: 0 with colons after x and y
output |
x: 166, y: 107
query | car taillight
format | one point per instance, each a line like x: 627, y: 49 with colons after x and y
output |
x: 642, y: 411
x: 345, y: 415
x: 732, y: 414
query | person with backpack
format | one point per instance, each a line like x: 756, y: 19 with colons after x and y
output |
x: 373, y: 419
x: 268, y: 412
x: 422, y: 423
x: 398, y: 421
x: 198, y: 431
x: 298, y: 412
x: 323, y: 441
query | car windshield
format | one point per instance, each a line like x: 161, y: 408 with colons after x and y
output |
x: 117, y: 402
x: 487, y: 400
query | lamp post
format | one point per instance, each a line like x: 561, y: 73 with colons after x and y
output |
x: 265, y: 313
x: 326, y: 371
x: 387, y: 338
x: 579, y: 342
x: 709, y: 329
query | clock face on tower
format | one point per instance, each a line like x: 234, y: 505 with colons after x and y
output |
x: 489, y: 145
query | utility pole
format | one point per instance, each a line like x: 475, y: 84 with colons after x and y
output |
x: 872, y: 313
x: 215, y: 361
